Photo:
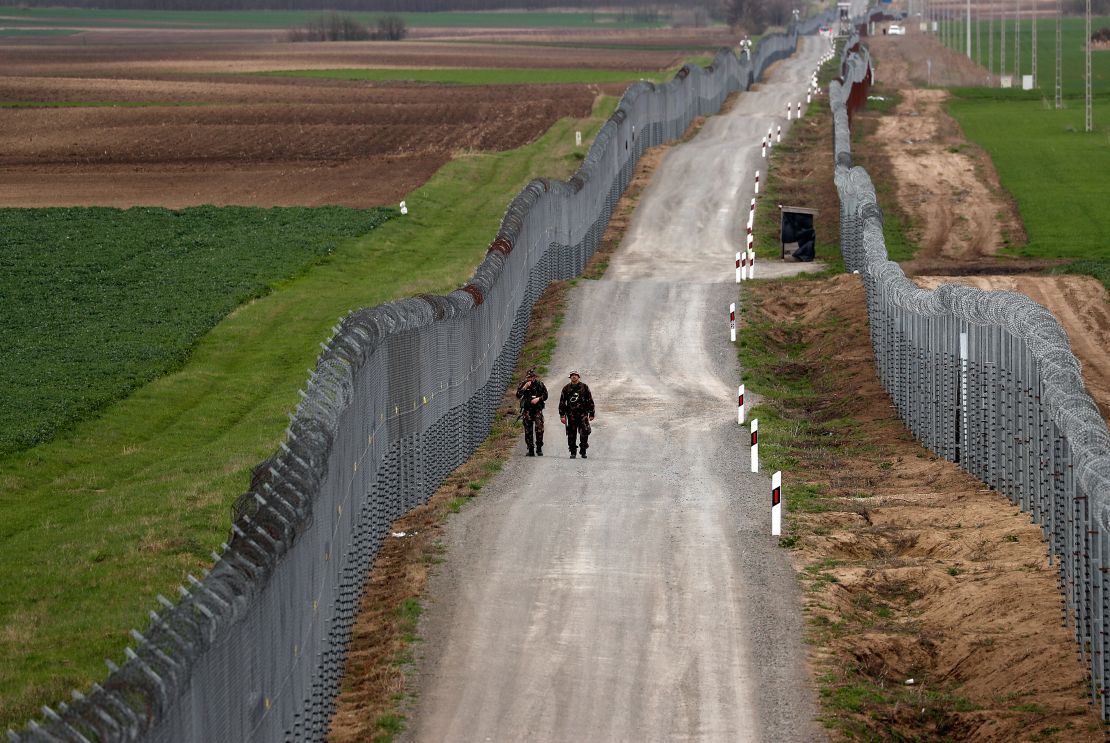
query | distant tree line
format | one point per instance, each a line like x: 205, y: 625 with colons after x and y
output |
x: 335, y: 26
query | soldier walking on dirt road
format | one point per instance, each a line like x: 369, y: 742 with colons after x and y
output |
x: 576, y: 410
x: 532, y: 395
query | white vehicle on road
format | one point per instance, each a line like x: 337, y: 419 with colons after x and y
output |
x: 896, y: 30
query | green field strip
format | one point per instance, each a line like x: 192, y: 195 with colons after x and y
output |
x: 477, y: 76
x: 8, y: 32
x: 1071, y: 52
x: 91, y: 17
x: 97, y: 522
x: 1058, y: 174
x: 99, y: 104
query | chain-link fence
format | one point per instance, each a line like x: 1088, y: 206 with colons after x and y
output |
x: 987, y: 379
x: 401, y: 395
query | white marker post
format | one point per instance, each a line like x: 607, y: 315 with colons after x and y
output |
x: 578, y: 139
x: 808, y: 96
x: 751, y: 215
x: 797, y: 109
x: 764, y: 153
x: 757, y: 181
x: 743, y: 264
x: 741, y: 267
x: 776, y: 504
x: 755, y: 445
x: 770, y: 136
x: 404, y: 209
x: 740, y: 406
x: 788, y: 112
x: 732, y: 322
x: 778, y: 135
x: 751, y: 262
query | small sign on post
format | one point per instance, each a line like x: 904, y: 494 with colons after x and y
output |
x: 776, y: 504
x: 755, y: 445
x: 732, y: 321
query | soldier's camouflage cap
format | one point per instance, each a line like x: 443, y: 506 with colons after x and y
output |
x: 574, y: 374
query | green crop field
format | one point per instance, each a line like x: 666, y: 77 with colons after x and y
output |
x: 121, y: 507
x: 498, y: 76
x: 1071, y: 53
x: 100, y: 301
x: 89, y: 17
x: 1058, y: 174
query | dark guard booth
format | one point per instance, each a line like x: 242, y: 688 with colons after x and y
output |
x: 796, y: 232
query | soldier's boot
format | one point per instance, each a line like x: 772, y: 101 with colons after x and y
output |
x: 539, y: 450
x: 530, y: 453
x: 583, y: 453
x: 573, y: 453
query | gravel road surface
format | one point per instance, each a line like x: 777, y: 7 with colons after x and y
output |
x: 636, y: 595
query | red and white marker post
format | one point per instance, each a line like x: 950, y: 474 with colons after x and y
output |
x: 755, y: 445
x: 732, y: 321
x: 741, y: 266
x: 757, y: 181
x: 751, y: 215
x: 788, y: 112
x: 808, y: 95
x: 764, y: 144
x: 778, y: 135
x: 751, y: 260
x: 797, y: 109
x: 776, y: 504
x: 740, y: 406
x: 770, y: 136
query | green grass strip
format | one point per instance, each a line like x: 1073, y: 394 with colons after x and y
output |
x: 495, y: 76
x: 97, y: 104
x: 94, y: 17
x: 99, y: 521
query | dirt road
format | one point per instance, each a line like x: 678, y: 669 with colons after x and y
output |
x: 636, y: 595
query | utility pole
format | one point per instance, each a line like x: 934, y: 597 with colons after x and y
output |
x: 1017, y: 41
x: 1002, y: 42
x: 1033, y: 19
x: 978, y: 35
x: 968, y: 22
x: 1059, y: 71
x: 1090, y: 124
x: 990, y: 38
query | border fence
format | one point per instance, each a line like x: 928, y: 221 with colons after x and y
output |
x: 401, y: 395
x: 987, y: 379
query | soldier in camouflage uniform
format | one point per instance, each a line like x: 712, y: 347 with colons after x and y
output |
x: 576, y: 410
x: 532, y: 395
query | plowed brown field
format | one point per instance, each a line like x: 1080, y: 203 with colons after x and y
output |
x: 206, y: 133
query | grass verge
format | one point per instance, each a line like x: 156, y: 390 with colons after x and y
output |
x: 121, y: 508
x: 477, y: 76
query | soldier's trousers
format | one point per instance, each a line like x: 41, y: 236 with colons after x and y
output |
x: 578, y: 427
x: 533, y: 429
